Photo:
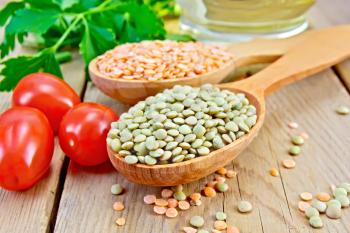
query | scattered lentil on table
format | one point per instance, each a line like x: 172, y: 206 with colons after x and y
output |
x: 333, y: 211
x: 298, y: 140
x: 209, y: 192
x: 116, y: 189
x: 274, y: 172
x: 171, y: 212
x: 322, y: 196
x: 316, y: 222
x: 343, y: 110
x: 211, y: 114
x: 319, y: 205
x: 244, y: 206
x: 118, y: 206
x: 232, y: 229
x: 305, y: 196
x: 288, y: 163
x: 311, y: 211
x: 293, y: 125
x: 159, y: 60
x: 159, y: 210
x: 339, y: 192
x: 149, y: 199
x: 184, y: 205
x: 120, y: 221
x: 302, y: 205
x: 294, y: 150
x: 220, y: 216
x: 197, y: 221
x: 220, y: 225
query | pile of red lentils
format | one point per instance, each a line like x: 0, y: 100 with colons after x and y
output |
x: 159, y: 60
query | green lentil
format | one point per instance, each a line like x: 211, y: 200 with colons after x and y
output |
x: 171, y: 145
x: 221, y: 186
x: 343, y: 110
x: 176, y: 151
x: 197, y: 143
x: 199, y: 130
x: 179, y: 195
x: 197, y: 221
x: 156, y: 153
x: 298, y: 140
x: 334, y: 202
x: 185, y: 145
x: 294, y: 150
x: 200, y: 119
x: 160, y: 134
x: 127, y: 145
x: 166, y: 155
x: 131, y: 159
x: 140, y: 138
x: 116, y: 189
x: 220, y: 216
x: 226, y: 138
x: 203, y: 150
x: 344, y: 201
x: 244, y: 206
x: 124, y: 153
x: 319, y: 205
x: 340, y: 192
x: 173, y: 132
x: 311, y: 211
x: 150, y: 160
x: 179, y: 138
x: 115, y: 145
x: 178, y: 159
x: 185, y: 129
x: 316, y: 222
x: 345, y: 186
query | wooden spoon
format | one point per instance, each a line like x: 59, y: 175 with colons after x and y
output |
x: 256, y: 51
x: 313, y: 55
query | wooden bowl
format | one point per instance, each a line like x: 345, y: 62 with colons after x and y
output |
x: 133, y: 91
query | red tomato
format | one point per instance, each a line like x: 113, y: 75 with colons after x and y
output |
x: 47, y: 93
x: 83, y: 132
x: 26, y: 147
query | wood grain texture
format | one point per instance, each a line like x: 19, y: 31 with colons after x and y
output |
x: 35, y: 209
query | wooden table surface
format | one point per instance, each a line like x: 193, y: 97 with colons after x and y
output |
x: 73, y: 199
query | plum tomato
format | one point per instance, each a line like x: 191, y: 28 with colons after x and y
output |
x: 26, y: 147
x: 48, y: 93
x: 83, y: 132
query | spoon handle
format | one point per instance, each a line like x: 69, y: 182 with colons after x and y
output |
x: 312, y: 55
x: 264, y: 50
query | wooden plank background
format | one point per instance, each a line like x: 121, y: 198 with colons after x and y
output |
x: 76, y: 199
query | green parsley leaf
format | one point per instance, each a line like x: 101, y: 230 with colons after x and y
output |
x: 143, y: 20
x: 8, y: 11
x: 32, y: 20
x: 96, y: 40
x: 24, y: 21
x: 16, y: 68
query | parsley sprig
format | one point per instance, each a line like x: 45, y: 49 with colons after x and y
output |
x: 93, y: 26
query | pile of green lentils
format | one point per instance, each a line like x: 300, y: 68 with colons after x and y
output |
x: 180, y: 124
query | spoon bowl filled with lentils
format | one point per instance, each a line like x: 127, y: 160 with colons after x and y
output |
x: 182, y: 134
x: 131, y: 72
